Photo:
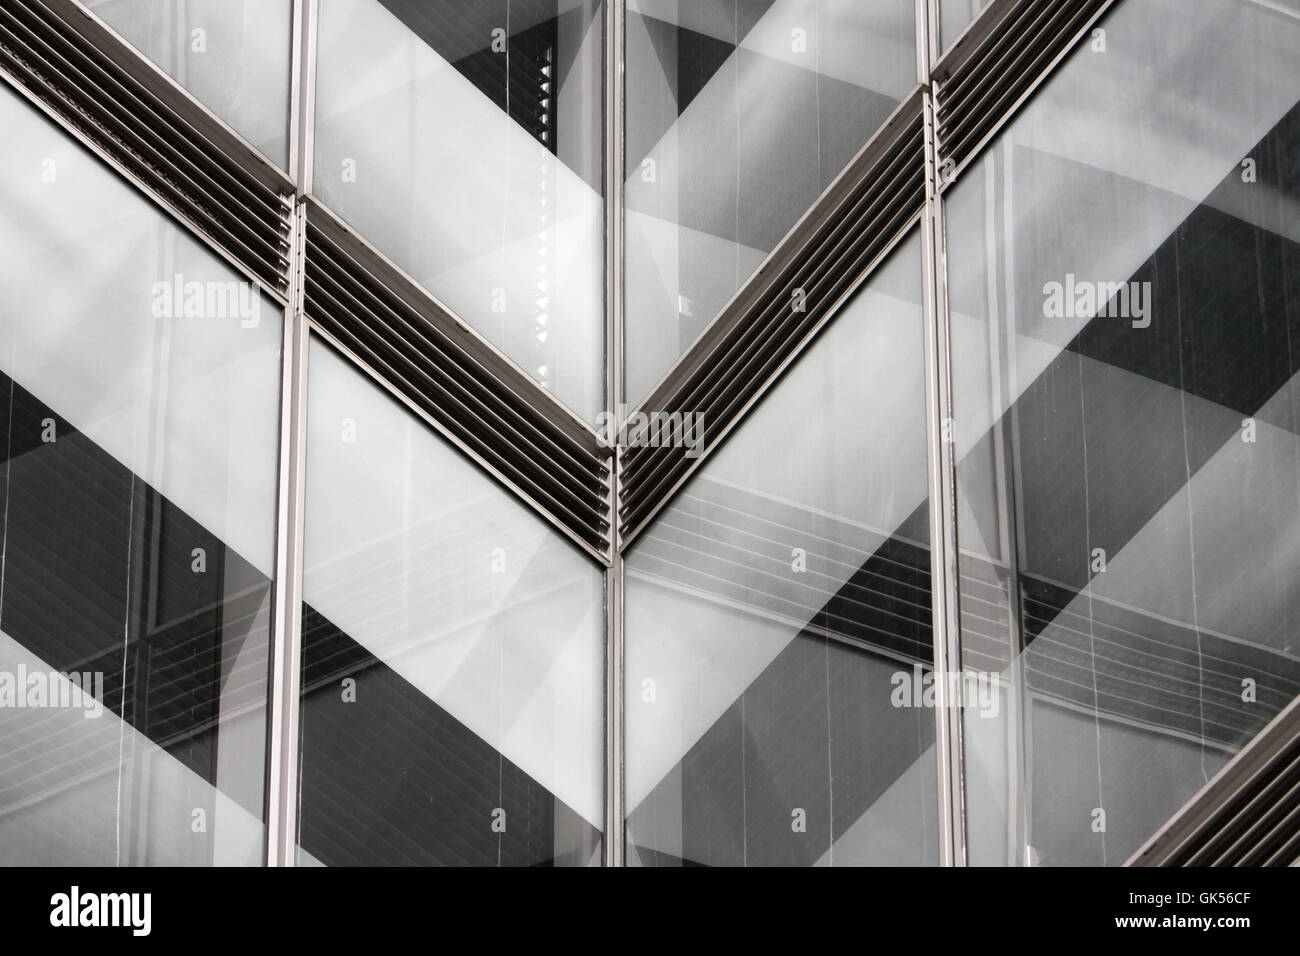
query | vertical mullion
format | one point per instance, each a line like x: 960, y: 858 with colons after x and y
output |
x: 940, y: 445
x: 285, y: 677
x: 302, y: 102
x: 615, y: 31
x: 282, y: 773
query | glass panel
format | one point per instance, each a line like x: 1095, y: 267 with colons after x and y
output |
x: 739, y: 114
x: 464, y: 140
x: 778, y: 619
x: 955, y: 16
x: 1125, y: 315
x: 139, y: 397
x: 452, y: 704
x: 233, y: 55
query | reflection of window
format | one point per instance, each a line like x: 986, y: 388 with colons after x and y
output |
x: 1123, y: 460
x: 137, y: 501
x: 776, y: 605
x: 470, y: 151
x: 451, y: 662
x: 232, y: 55
x: 738, y: 116
x: 513, y: 67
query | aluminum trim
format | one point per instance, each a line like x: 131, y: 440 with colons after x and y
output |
x: 229, y: 142
x: 282, y: 776
x: 1011, y: 109
x: 599, y: 555
x: 1249, y: 767
x: 884, y: 140
x: 147, y: 191
x: 490, y: 358
x: 615, y: 144
x: 656, y: 505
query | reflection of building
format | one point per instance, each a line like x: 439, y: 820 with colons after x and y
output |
x: 367, y: 586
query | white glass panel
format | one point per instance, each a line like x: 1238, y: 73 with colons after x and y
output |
x: 473, y: 637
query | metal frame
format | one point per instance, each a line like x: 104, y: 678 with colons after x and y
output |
x: 985, y: 78
x: 286, y: 657
x: 857, y: 221
x: 1234, y: 819
x: 942, y: 496
x: 615, y: 45
x: 469, y: 390
x: 286, y: 669
x: 894, y: 184
x: 131, y: 115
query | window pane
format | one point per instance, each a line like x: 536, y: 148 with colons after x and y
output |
x: 464, y: 140
x: 778, y: 619
x: 452, y: 704
x: 233, y: 55
x: 139, y: 396
x: 955, y: 16
x: 739, y: 114
x: 1125, y: 309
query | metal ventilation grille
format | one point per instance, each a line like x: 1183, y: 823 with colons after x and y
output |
x: 1005, y: 55
x: 854, y: 223
x: 67, y: 61
x: 1248, y: 815
x: 474, y: 395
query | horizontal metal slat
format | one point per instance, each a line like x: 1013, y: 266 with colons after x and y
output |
x: 435, y: 362
x: 1249, y: 812
x: 853, y: 228
x: 93, y: 79
x: 827, y: 254
x: 140, y: 121
x: 468, y: 390
x: 989, y: 73
x: 397, y: 371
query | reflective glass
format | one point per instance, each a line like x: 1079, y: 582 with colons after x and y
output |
x: 1125, y: 291
x: 464, y: 141
x: 955, y: 16
x: 233, y: 55
x: 778, y: 619
x: 739, y: 114
x: 452, y: 658
x: 139, y: 397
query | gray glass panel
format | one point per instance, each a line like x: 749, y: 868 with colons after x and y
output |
x: 955, y: 16
x: 739, y: 114
x: 464, y: 141
x: 139, y: 397
x: 1125, y: 317
x: 233, y: 55
x: 452, y: 659
x: 778, y: 619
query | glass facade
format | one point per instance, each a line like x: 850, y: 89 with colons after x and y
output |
x: 955, y: 16
x: 464, y: 140
x: 139, y: 392
x: 233, y: 55
x: 738, y: 115
x: 978, y: 544
x: 451, y: 653
x: 778, y: 619
x: 1124, y: 314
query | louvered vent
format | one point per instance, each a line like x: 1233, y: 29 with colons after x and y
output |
x: 476, y: 397
x: 858, y: 219
x: 1008, y: 51
x: 130, y: 114
x: 1248, y: 815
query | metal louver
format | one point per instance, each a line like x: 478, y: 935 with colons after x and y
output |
x: 468, y: 390
x: 1247, y: 815
x: 855, y: 222
x: 132, y: 115
x: 1008, y: 51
